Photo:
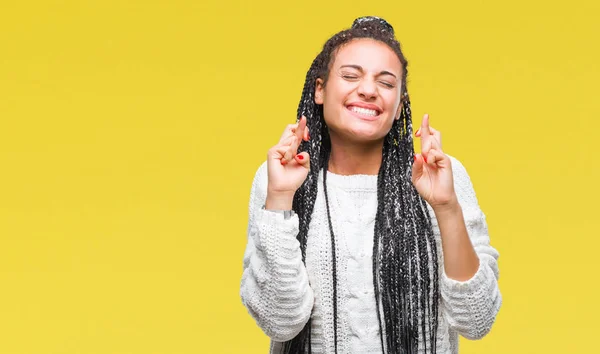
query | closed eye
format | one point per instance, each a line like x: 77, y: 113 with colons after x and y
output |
x: 387, y: 84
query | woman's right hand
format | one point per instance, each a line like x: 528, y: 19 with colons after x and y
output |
x: 287, y: 169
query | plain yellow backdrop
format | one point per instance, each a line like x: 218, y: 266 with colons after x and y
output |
x: 130, y: 132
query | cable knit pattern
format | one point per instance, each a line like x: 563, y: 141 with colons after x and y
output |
x: 281, y: 293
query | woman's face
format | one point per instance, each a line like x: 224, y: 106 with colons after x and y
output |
x: 362, y: 96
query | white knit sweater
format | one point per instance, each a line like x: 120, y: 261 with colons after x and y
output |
x: 281, y: 293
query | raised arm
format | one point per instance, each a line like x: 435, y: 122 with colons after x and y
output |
x: 469, y: 281
x: 470, y: 303
x: 274, y: 286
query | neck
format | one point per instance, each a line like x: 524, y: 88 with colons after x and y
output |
x: 350, y: 158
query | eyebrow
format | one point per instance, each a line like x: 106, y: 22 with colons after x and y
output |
x: 359, y: 68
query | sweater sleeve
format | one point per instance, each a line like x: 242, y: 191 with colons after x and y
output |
x: 471, y: 306
x: 274, y: 287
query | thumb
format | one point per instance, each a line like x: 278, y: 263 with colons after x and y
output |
x: 417, y: 170
x: 303, y: 159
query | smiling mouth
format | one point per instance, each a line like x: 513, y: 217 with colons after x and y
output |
x: 364, y: 112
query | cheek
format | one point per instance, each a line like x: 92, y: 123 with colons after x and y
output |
x: 330, y: 109
x: 337, y: 91
x: 333, y: 100
x: 392, y: 101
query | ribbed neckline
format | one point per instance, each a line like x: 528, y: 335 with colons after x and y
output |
x: 351, y: 182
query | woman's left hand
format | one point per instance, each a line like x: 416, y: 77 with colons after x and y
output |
x: 432, y: 170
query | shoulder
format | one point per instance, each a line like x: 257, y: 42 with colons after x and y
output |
x: 458, y: 169
x: 261, y: 179
x: 258, y: 192
x: 463, y: 185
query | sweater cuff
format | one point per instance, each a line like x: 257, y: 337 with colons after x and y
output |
x: 480, y: 279
x: 276, y: 235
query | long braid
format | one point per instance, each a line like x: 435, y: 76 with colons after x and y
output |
x: 304, y: 199
x: 376, y: 250
x: 333, y: 255
x: 405, y: 268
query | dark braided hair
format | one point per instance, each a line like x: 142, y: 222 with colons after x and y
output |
x: 405, y: 267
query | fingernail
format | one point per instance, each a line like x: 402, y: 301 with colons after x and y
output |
x: 415, y: 157
x: 300, y: 157
x: 424, y: 158
x: 283, y: 162
x: 417, y: 132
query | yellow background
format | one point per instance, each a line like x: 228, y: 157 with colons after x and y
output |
x: 130, y: 132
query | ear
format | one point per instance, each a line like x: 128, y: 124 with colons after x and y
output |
x: 319, y: 91
x: 399, y: 111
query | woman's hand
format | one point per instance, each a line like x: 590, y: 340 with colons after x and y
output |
x: 287, y: 169
x: 432, y: 170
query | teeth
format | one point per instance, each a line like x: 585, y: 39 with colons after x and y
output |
x: 365, y: 111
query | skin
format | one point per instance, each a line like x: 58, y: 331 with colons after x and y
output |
x: 368, y: 72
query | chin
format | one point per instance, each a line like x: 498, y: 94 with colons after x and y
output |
x: 366, y: 136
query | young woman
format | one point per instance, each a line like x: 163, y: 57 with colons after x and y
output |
x: 355, y: 243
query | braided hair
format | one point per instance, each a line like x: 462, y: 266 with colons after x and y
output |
x: 405, y: 267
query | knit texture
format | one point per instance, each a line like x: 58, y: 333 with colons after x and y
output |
x: 281, y: 293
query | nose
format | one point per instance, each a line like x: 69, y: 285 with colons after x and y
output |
x: 367, y: 89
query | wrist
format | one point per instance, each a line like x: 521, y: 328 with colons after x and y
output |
x: 279, y: 200
x: 449, y: 208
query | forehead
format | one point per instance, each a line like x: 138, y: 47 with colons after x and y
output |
x: 370, y: 54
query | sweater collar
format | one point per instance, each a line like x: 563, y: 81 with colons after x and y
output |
x: 350, y: 182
